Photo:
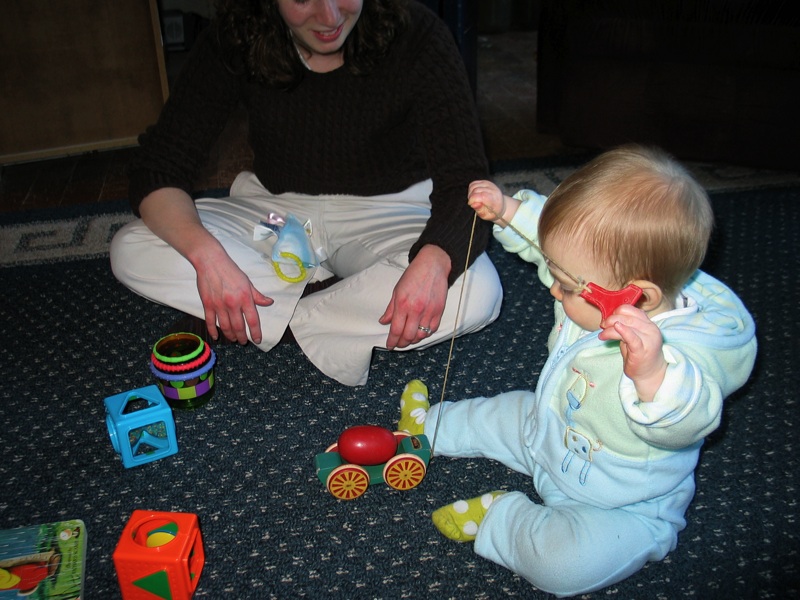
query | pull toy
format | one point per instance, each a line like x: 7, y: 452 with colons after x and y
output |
x: 367, y: 454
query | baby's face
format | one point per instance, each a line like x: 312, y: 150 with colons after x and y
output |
x: 575, y: 260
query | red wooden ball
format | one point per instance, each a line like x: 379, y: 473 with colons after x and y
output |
x: 367, y: 445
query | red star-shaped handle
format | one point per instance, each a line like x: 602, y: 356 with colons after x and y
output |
x: 608, y: 301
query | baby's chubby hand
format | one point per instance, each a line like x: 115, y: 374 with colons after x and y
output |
x: 640, y: 343
x: 487, y: 200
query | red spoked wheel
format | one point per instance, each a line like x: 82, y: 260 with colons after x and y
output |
x: 348, y: 482
x: 404, y: 471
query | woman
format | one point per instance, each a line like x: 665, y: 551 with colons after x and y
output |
x: 362, y: 124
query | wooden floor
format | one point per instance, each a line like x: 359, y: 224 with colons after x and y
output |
x: 506, y: 98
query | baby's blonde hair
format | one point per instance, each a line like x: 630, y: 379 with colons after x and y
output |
x: 640, y: 213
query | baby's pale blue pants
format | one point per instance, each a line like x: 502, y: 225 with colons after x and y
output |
x: 563, y: 546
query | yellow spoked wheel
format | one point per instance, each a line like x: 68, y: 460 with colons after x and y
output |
x: 348, y: 482
x: 404, y: 471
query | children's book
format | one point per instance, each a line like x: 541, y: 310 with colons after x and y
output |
x: 43, y: 561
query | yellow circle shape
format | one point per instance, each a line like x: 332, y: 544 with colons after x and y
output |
x: 159, y: 538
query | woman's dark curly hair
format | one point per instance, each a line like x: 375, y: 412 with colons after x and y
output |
x: 263, y: 46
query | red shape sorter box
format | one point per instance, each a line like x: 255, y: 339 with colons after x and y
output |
x: 159, y: 555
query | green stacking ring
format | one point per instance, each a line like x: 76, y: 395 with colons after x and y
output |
x: 181, y: 340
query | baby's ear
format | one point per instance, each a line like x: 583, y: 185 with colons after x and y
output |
x: 652, y: 296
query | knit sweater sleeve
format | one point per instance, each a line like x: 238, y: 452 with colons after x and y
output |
x: 172, y: 152
x: 449, y: 132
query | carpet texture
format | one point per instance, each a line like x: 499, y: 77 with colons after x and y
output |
x: 72, y: 336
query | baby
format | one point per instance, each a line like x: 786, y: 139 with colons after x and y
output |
x: 612, y: 434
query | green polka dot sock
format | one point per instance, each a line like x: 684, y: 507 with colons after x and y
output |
x: 414, y: 407
x: 459, y: 521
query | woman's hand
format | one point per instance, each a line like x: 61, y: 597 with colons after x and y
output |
x: 227, y: 294
x: 418, y: 299
x: 229, y: 298
x: 640, y: 343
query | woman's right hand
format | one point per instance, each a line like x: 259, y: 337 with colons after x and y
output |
x: 228, y: 296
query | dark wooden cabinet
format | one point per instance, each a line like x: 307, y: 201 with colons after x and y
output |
x: 77, y: 75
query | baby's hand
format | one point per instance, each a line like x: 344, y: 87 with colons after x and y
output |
x: 486, y: 199
x: 640, y: 343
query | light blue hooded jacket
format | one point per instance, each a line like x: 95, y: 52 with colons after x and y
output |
x: 598, y: 442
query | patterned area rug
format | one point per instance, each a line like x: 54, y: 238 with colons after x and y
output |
x: 73, y: 336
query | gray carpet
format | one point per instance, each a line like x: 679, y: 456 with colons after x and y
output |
x: 72, y: 336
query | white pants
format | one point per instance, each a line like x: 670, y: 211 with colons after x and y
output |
x: 365, y: 240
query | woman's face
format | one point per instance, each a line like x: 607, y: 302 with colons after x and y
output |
x: 320, y: 27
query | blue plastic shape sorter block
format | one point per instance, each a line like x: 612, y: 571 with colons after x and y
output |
x: 141, y: 426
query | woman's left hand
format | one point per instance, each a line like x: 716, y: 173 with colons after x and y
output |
x: 418, y: 299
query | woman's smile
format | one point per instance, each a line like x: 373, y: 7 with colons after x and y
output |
x: 327, y: 37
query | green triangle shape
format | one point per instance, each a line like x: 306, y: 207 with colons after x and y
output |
x: 156, y: 583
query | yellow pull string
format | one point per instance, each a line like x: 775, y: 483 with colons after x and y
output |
x: 453, y: 338
x: 535, y: 246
